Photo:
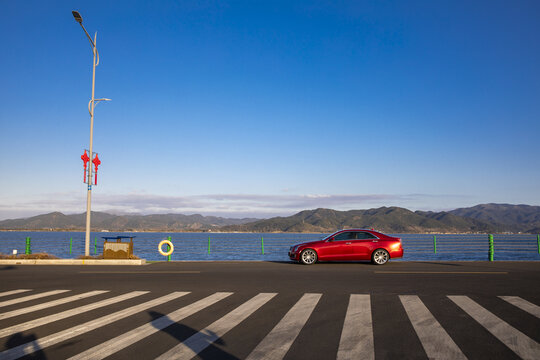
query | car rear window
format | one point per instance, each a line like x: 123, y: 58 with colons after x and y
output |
x: 365, y: 235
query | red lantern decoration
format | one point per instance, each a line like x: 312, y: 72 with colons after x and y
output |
x: 96, y: 163
x: 85, y: 159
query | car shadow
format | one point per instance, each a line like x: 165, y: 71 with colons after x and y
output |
x: 346, y: 262
x: 181, y: 333
x: 326, y: 263
x: 368, y: 263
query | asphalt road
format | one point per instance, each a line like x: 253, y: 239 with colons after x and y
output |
x: 236, y: 310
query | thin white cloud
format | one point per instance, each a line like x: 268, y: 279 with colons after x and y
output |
x: 226, y: 205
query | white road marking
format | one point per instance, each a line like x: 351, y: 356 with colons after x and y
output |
x: 523, y: 305
x: 37, y: 307
x: 518, y: 342
x: 12, y: 292
x: 356, y: 341
x: 435, y: 340
x: 276, y: 344
x: 118, y: 343
x: 201, y: 340
x: 31, y: 297
x: 65, y: 314
x: 40, y: 344
x: 357, y: 334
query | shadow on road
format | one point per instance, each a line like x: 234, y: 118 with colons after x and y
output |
x: 182, y: 332
x: 330, y: 263
x: 18, y: 339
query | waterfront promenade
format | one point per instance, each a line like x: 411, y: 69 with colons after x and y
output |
x: 272, y: 310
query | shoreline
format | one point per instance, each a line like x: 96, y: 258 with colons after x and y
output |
x: 257, y: 232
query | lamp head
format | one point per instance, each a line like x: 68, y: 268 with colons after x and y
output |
x: 77, y: 16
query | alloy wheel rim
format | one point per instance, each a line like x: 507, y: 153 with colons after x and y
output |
x: 308, y: 257
x: 381, y: 257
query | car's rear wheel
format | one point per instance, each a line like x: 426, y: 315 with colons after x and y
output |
x: 380, y: 257
x: 308, y: 257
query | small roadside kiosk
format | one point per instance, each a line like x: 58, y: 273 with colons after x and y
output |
x: 117, y: 249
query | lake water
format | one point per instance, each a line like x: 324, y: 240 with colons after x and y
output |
x: 239, y: 246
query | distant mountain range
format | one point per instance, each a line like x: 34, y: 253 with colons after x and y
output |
x: 486, y: 218
x: 103, y: 221
x: 489, y: 218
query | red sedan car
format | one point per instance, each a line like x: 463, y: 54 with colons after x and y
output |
x: 345, y: 245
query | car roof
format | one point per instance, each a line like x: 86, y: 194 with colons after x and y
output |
x: 365, y: 230
x: 355, y: 229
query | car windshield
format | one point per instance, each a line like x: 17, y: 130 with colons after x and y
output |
x: 326, y: 237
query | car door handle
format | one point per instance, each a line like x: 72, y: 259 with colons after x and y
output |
x: 375, y: 240
x: 347, y: 243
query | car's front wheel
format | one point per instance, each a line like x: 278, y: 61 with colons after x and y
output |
x: 380, y: 257
x: 308, y: 257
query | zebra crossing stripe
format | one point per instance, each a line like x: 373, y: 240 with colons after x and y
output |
x: 201, y: 340
x: 40, y: 344
x: 31, y: 297
x: 68, y: 299
x: 120, y: 342
x: 523, y: 305
x: 65, y: 314
x: 276, y: 344
x: 518, y: 342
x: 12, y: 292
x: 357, y: 335
x: 435, y: 340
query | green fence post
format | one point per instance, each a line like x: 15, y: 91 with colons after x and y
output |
x: 262, y: 245
x: 538, y: 242
x: 70, y: 244
x: 435, y: 244
x: 95, y: 245
x: 28, y: 250
x: 168, y: 249
x: 491, y: 248
x: 209, y: 245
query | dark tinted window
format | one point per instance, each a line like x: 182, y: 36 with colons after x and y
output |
x: 365, y: 235
x: 345, y: 236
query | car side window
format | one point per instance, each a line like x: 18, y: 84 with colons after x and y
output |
x: 345, y: 236
x: 365, y: 236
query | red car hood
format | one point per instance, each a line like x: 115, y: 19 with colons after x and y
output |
x: 311, y: 243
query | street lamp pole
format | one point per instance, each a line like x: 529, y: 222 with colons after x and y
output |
x: 91, y: 107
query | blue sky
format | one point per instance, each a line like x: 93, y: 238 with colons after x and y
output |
x: 263, y: 108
